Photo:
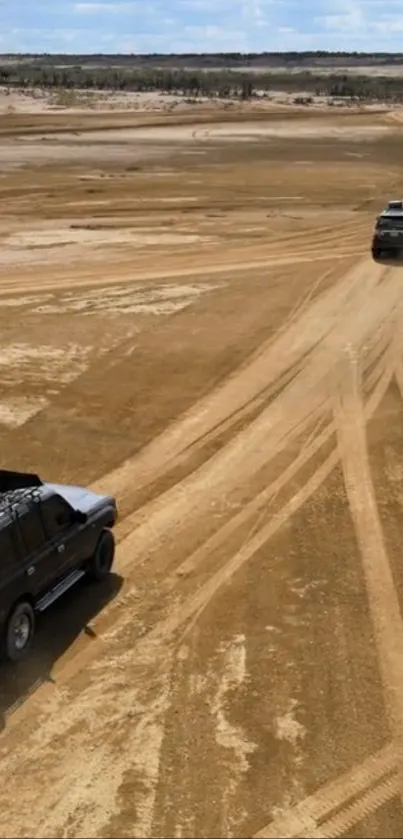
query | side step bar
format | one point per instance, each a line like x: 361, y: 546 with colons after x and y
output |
x: 58, y: 590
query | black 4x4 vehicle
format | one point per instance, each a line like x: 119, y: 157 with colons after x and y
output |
x: 50, y: 537
x: 387, y: 238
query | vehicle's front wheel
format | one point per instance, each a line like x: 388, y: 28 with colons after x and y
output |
x: 102, y: 561
x: 19, y: 632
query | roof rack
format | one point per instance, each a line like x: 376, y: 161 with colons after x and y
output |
x: 13, y: 501
x: 10, y: 480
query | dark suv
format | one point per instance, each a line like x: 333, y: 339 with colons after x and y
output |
x: 50, y: 537
x: 387, y: 238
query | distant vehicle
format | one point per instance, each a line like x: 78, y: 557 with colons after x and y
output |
x: 51, y: 536
x: 387, y: 238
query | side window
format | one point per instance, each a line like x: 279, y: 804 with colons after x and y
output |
x: 32, y: 530
x: 8, y: 554
x: 56, y: 516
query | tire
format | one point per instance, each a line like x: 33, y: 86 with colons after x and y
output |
x: 19, y: 632
x: 102, y: 561
x: 376, y: 253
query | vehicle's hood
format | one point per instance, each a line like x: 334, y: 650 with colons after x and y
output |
x: 82, y: 499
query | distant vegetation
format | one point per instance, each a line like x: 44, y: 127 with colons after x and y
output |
x: 224, y: 75
x: 319, y: 58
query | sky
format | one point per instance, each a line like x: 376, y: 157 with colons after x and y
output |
x: 147, y: 26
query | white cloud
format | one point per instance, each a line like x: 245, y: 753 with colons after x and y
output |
x: 343, y: 16
x: 201, y: 25
x: 366, y: 21
x: 95, y: 8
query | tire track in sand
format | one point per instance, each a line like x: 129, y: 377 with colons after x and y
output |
x: 382, y: 595
x: 304, y: 819
x: 266, y: 367
x: 335, y: 807
x: 193, y: 607
x: 272, y: 431
x: 197, y: 602
x: 319, y: 366
x: 16, y: 287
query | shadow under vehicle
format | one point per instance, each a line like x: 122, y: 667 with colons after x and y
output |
x: 57, y: 630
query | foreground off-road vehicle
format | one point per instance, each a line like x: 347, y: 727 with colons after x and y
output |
x: 50, y: 537
x: 387, y: 238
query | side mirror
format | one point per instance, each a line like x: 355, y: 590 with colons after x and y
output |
x: 80, y: 517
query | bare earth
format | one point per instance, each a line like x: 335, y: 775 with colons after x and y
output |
x: 190, y: 319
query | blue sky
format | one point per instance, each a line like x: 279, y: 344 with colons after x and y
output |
x: 199, y: 25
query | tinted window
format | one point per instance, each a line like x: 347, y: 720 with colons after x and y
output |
x: 32, y: 530
x: 390, y: 223
x: 8, y: 556
x: 56, y: 514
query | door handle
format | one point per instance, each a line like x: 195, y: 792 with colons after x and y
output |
x: 60, y: 549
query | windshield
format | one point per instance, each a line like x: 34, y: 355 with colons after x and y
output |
x: 389, y: 223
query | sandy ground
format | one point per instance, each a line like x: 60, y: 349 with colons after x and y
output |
x: 37, y: 100
x: 195, y: 325
x: 41, y: 101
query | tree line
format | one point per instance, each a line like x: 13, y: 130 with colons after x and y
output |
x: 321, y: 58
x: 222, y: 83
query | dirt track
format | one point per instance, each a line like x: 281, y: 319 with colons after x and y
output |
x: 203, y: 334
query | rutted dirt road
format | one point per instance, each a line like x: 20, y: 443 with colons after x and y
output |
x: 241, y: 396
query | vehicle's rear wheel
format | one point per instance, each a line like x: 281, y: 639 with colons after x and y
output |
x: 376, y: 253
x: 102, y: 561
x: 19, y: 632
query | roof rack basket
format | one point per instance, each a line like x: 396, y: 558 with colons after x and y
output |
x: 10, y: 481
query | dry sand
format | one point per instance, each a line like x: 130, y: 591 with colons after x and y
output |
x: 204, y: 334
